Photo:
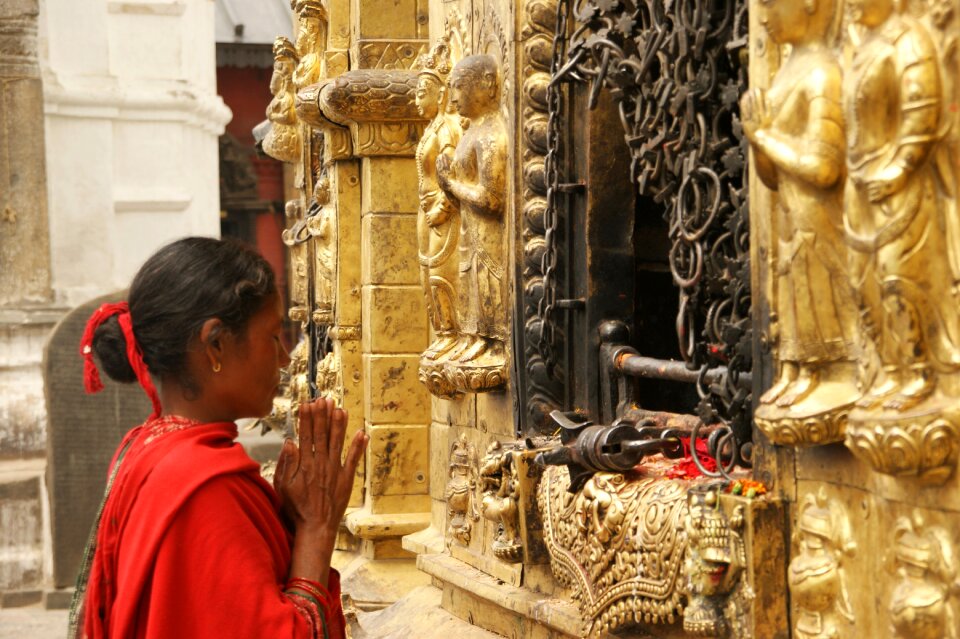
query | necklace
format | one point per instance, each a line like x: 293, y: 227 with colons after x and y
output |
x: 165, y: 425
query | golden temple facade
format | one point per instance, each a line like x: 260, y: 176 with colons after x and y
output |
x: 650, y: 309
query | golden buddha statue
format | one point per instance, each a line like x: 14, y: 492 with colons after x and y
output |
x: 283, y: 140
x: 796, y: 133
x: 438, y: 218
x: 475, y: 175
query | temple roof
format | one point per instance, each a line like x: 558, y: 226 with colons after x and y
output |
x: 252, y: 21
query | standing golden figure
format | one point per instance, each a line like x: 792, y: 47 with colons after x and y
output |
x: 283, y: 140
x: 476, y: 176
x: 322, y: 226
x: 907, y: 421
x: 796, y: 133
x: 438, y: 218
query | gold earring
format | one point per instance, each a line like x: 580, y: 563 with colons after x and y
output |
x: 216, y: 367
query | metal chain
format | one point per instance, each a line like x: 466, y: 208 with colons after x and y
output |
x: 674, y: 67
x: 546, y: 340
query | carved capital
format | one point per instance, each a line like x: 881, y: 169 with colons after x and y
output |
x: 376, y: 107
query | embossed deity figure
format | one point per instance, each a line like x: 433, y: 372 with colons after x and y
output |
x: 322, y: 225
x: 438, y: 219
x: 311, y: 40
x: 816, y: 574
x: 295, y: 237
x: 499, y: 503
x: 461, y: 492
x: 283, y: 140
x: 475, y: 175
x: 895, y: 216
x: 796, y: 132
x: 920, y: 605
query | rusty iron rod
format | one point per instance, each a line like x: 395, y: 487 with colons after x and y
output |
x: 670, y: 369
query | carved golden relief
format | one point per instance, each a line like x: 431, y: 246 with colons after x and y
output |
x: 461, y: 493
x: 796, y: 133
x: 283, y: 140
x: 718, y: 595
x: 474, y: 175
x: 378, y: 108
x: 618, y: 545
x: 899, y: 211
x: 295, y: 237
x: 311, y: 41
x: 817, y: 575
x: 322, y: 227
x: 922, y: 602
x: 438, y: 217
x: 500, y: 485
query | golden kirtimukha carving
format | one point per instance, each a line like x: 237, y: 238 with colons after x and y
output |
x: 897, y: 224
x: 921, y: 606
x: 617, y: 544
x: 322, y: 226
x: 438, y: 218
x: 499, y: 504
x: 311, y: 41
x: 817, y: 574
x: 475, y: 176
x: 283, y: 140
x: 796, y: 133
x: 461, y: 491
x: 718, y: 596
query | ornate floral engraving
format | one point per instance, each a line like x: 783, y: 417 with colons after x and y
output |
x: 796, y: 133
x: 392, y: 54
x: 617, y: 544
x: 544, y: 387
x: 461, y: 491
x: 499, y: 504
x: 899, y: 223
x: 922, y: 604
x: 817, y: 573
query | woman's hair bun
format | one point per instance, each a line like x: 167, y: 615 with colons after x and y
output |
x: 110, y: 349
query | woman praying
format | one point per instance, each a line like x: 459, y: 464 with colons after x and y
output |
x: 190, y: 540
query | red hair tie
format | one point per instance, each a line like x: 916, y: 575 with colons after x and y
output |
x: 91, y: 376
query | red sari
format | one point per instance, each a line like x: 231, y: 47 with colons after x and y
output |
x: 191, y: 545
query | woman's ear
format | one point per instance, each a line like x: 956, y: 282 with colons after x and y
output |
x: 212, y: 335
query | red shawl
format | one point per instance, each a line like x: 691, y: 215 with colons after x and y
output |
x: 191, y: 545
